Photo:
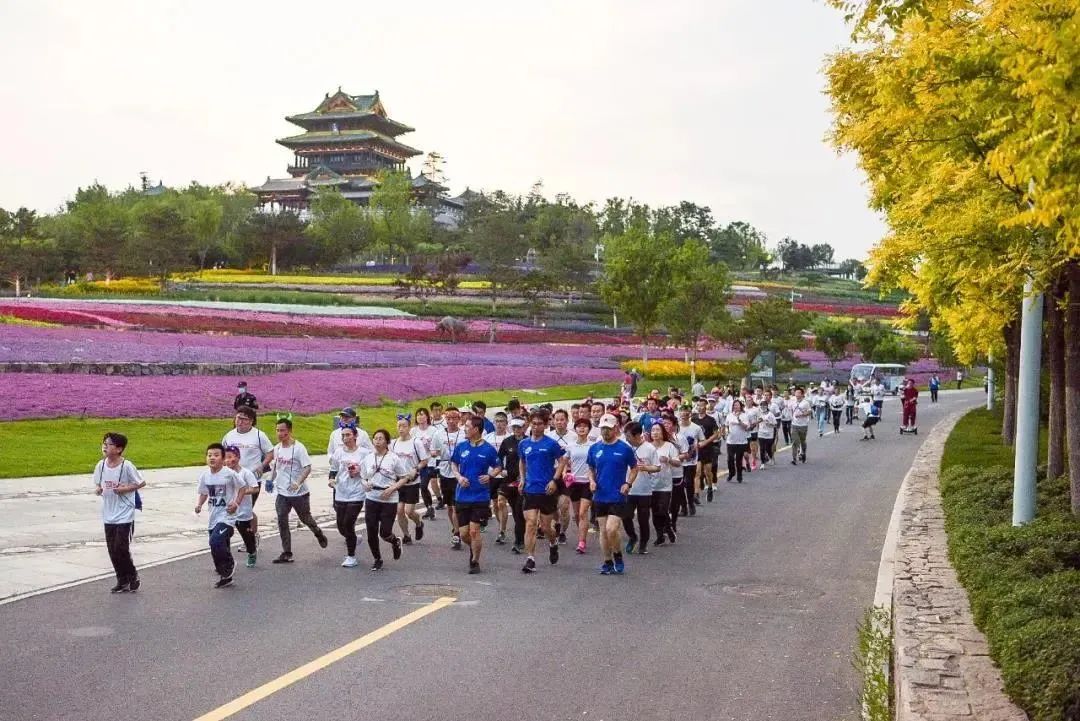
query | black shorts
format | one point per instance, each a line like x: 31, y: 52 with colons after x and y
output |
x: 753, y: 437
x: 707, y: 457
x: 579, y: 491
x: 472, y: 513
x: 409, y: 494
x: 493, y: 487
x: 510, y: 493
x: 620, y: 509
x: 448, y: 486
x: 541, y: 502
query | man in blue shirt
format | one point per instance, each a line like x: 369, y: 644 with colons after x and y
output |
x: 479, y: 408
x: 612, y: 470
x: 474, y: 462
x: 543, y: 462
x: 651, y: 415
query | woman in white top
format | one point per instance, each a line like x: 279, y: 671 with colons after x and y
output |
x: 415, y: 456
x: 767, y: 432
x: 786, y: 408
x: 348, y: 489
x: 576, y: 478
x: 670, y: 467
x: 679, y: 505
x: 423, y: 431
x: 738, y: 437
x: 383, y: 473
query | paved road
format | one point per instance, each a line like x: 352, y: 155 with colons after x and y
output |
x: 751, y: 616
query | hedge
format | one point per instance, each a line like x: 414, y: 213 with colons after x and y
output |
x: 1024, y: 583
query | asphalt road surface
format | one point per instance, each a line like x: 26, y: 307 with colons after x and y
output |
x: 752, y: 615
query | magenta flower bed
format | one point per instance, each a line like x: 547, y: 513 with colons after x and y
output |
x: 49, y: 395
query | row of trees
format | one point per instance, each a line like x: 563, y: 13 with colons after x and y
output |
x: 963, y: 116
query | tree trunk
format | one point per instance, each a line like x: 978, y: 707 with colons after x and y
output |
x: 273, y: 259
x: 18, y: 285
x: 1072, y: 381
x: 692, y: 361
x: 644, y: 353
x: 1055, y: 357
x: 1012, y: 375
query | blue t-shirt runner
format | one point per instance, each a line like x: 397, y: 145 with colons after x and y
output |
x: 473, y: 462
x: 611, y: 462
x: 540, y: 457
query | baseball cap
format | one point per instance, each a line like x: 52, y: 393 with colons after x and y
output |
x: 347, y: 412
x: 608, y: 421
x: 517, y: 422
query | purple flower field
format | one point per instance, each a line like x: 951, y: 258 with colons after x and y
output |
x: 48, y: 395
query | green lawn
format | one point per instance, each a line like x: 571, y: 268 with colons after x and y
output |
x: 30, y: 447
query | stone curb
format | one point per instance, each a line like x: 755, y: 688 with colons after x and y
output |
x: 941, y: 664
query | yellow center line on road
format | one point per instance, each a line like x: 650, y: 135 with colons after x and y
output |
x: 270, y: 687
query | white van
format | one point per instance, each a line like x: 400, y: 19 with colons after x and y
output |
x: 891, y: 375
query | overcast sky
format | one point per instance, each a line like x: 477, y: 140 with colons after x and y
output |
x: 719, y: 102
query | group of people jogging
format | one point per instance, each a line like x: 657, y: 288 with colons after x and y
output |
x: 624, y: 472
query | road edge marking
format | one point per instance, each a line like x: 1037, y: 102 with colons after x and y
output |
x: 298, y: 674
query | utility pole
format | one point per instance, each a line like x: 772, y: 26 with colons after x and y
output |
x: 990, y: 382
x: 1027, y: 406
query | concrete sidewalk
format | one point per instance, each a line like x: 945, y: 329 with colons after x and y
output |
x: 56, y: 537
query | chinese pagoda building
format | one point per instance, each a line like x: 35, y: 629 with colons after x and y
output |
x: 347, y: 141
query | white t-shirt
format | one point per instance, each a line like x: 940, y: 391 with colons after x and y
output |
x: 116, y: 507
x: 245, y: 511
x: 363, y: 440
x: 220, y: 489
x: 646, y: 456
x: 786, y: 407
x: 579, y: 459
x: 836, y: 403
x: 800, y: 413
x: 878, y: 391
x: 253, y: 445
x: 496, y: 439
x: 424, y: 435
x: 767, y: 427
x: 411, y: 453
x: 348, y: 489
x: 289, y: 465
x: 382, y: 472
x: 664, y: 478
x: 736, y: 434
x: 693, y: 435
x: 564, y: 440
x: 443, y: 443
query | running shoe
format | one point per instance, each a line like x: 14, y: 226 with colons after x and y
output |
x: 455, y: 543
x: 397, y: 548
x: 501, y: 538
x: 419, y: 531
x: 515, y: 549
x: 553, y: 553
x: 693, y: 509
x: 562, y: 538
x: 672, y: 535
x: 607, y: 568
x: 224, y: 581
x: 250, y: 560
x: 483, y: 527
x: 407, y: 540
x: 120, y: 588
x: 440, y: 505
x: 134, y: 585
x: 283, y: 558
x: 659, y: 540
x: 620, y: 567
x: 643, y: 550
x: 323, y: 541
x: 709, y: 494
x: 629, y: 548
x: 474, y: 567
x: 241, y: 548
x: 349, y: 562
x: 697, y: 498
x: 530, y: 566
x: 581, y: 547
x: 377, y: 566
x: 794, y: 463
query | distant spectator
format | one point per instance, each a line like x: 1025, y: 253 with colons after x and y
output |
x: 243, y: 398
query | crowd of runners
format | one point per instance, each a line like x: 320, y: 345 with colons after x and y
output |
x: 623, y: 473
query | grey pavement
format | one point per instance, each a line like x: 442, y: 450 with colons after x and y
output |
x: 752, y: 615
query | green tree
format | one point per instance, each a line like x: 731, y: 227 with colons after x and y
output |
x: 339, y: 227
x: 894, y: 348
x: 161, y: 241
x: 393, y: 224
x: 636, y: 279
x: 770, y: 325
x: 698, y: 291
x: 868, y: 334
x: 832, y: 338
x: 271, y: 238
x: 494, y: 241
x: 23, y: 258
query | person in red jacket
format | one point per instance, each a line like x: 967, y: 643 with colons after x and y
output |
x: 909, y: 397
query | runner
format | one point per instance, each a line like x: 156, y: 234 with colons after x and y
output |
x: 443, y: 443
x: 498, y: 501
x: 224, y: 490
x: 479, y: 408
x: 800, y: 422
x: 347, y: 417
x: 383, y: 474
x: 510, y: 489
x: 474, y: 463
x: 414, y: 457
x: 935, y: 386
x: 256, y: 452
x: 348, y: 488
x: 877, y: 391
x: 694, y: 436
x: 872, y: 415
x: 116, y: 480
x: 612, y: 471
x: 708, y: 447
x: 244, y: 514
x: 738, y: 438
x: 576, y: 479
x: 751, y: 457
x: 766, y: 431
x: 679, y: 505
x: 292, y: 466
x: 429, y: 477
x: 849, y: 403
x: 836, y: 408
x: 543, y: 463
x: 786, y: 415
x: 639, y: 499
x: 670, y: 468
x: 562, y: 435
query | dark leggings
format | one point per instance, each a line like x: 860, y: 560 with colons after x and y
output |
x: 118, y: 540
x: 379, y: 518
x: 643, y: 506
x: 785, y: 426
x: 849, y: 414
x: 347, y: 513
x: 766, y: 445
x: 426, y: 474
x: 678, y: 503
x: 244, y: 529
x: 513, y: 500
x: 735, y: 452
x: 661, y: 512
x: 688, y: 475
x: 835, y: 419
